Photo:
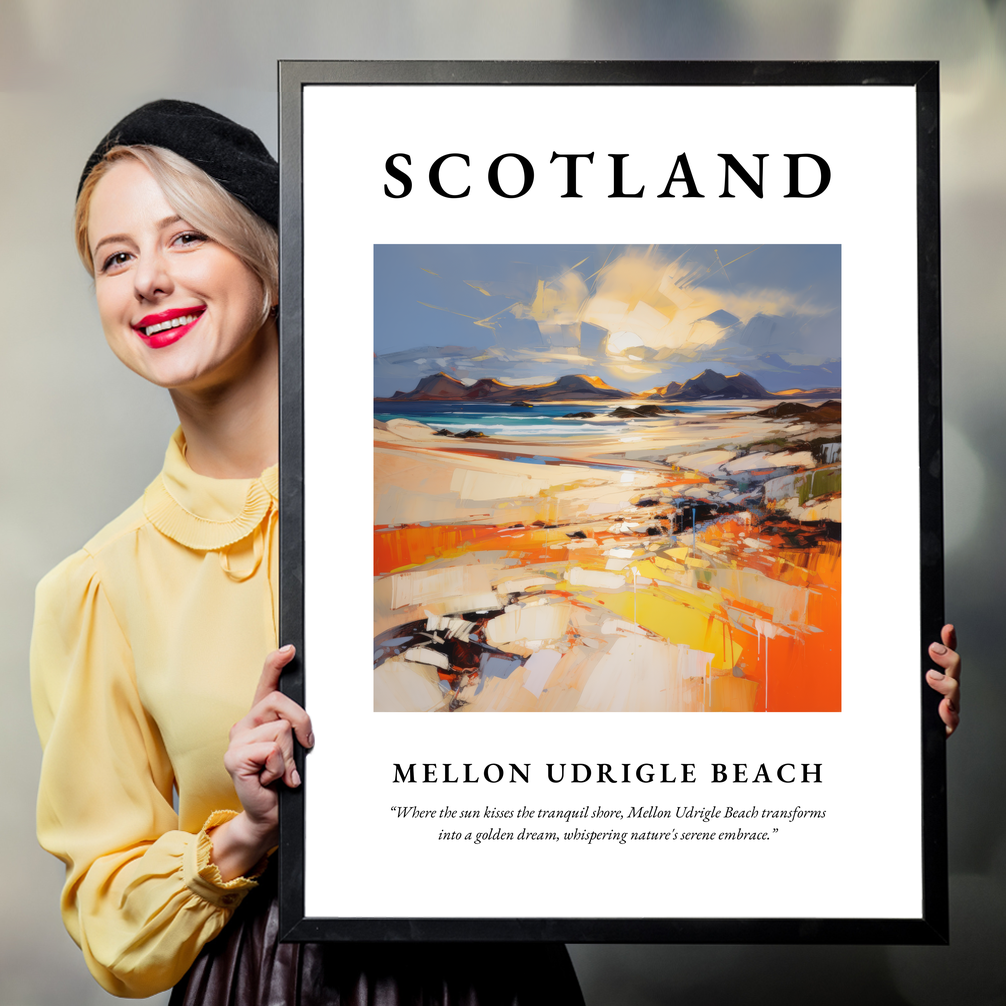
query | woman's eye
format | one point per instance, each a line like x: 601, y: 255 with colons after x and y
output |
x: 190, y: 238
x: 114, y: 261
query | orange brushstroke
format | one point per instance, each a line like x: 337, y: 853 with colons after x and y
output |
x: 398, y: 548
x: 804, y: 671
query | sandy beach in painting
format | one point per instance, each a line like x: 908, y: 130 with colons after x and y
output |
x: 680, y: 562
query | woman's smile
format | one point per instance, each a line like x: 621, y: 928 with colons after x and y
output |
x: 167, y: 327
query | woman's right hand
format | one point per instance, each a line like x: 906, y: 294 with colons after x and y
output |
x: 260, y: 753
x: 948, y: 681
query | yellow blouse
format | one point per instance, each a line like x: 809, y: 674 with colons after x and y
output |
x: 147, y: 647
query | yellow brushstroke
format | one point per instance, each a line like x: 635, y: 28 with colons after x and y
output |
x: 693, y: 563
x: 739, y: 257
x: 722, y: 266
x: 487, y: 323
x: 696, y: 625
x: 668, y: 564
x: 557, y: 301
x: 446, y: 310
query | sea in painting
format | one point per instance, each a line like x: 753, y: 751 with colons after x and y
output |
x: 607, y: 478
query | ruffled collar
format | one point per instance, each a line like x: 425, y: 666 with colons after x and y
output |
x: 203, y: 513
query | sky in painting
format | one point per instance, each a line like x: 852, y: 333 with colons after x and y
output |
x: 636, y: 316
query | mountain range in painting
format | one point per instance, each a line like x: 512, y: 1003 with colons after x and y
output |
x: 709, y: 385
x: 572, y: 387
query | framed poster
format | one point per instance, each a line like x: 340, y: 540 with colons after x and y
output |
x: 611, y: 530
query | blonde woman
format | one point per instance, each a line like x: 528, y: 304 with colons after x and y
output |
x: 154, y: 660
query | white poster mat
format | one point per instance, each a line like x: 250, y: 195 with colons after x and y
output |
x: 864, y: 859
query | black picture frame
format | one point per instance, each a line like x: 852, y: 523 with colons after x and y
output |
x: 932, y: 925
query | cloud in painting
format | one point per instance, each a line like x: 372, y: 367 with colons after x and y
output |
x: 638, y: 317
x: 401, y: 368
x: 658, y: 310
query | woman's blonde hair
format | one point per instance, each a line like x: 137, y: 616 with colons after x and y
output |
x: 200, y: 201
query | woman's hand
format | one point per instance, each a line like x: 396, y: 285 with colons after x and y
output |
x: 260, y: 753
x: 947, y: 682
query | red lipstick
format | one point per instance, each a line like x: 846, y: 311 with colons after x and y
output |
x: 166, y: 326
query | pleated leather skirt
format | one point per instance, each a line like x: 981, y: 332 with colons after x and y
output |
x: 246, y: 965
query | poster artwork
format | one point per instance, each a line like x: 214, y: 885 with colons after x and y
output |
x: 628, y: 454
x: 608, y: 478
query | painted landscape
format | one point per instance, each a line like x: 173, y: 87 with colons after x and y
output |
x: 607, y: 478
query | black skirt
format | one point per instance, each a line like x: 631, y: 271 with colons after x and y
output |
x: 246, y: 965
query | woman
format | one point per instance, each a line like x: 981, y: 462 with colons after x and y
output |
x: 149, y: 642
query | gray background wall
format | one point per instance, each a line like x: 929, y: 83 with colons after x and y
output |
x: 81, y: 436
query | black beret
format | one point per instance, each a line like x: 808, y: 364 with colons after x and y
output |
x: 230, y: 154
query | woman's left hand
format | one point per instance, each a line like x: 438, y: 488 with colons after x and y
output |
x: 260, y: 754
x: 948, y: 681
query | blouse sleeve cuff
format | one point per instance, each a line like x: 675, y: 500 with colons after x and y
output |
x: 202, y: 876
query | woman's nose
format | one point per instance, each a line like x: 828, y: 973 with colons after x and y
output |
x: 152, y: 277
